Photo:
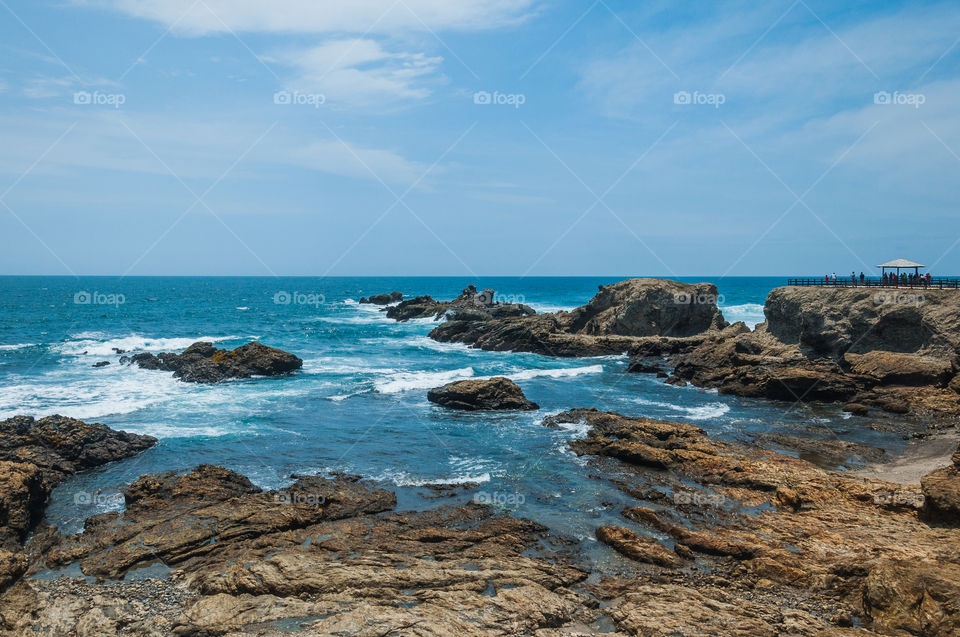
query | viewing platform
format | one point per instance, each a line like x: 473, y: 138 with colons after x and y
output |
x: 935, y: 283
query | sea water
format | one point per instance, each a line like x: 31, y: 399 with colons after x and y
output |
x: 359, y: 405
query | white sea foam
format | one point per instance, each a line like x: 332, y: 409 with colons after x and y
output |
x: 701, y: 412
x: 242, y: 308
x: 564, y: 372
x: 403, y: 479
x: 8, y: 348
x: 749, y: 313
x: 406, y: 381
x: 94, y: 345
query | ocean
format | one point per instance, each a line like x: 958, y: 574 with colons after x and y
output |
x: 359, y: 404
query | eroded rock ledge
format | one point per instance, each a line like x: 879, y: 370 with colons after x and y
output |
x: 36, y: 456
x: 791, y: 549
x: 494, y: 394
x: 204, y: 363
x: 325, y: 556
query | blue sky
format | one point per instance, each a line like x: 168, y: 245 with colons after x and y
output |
x: 307, y: 137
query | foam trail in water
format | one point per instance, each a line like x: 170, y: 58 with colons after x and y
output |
x: 749, y: 313
x: 406, y: 381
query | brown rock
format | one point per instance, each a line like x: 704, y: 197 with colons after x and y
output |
x: 636, y: 547
x: 482, y: 395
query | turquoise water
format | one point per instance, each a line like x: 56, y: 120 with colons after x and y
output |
x: 359, y: 404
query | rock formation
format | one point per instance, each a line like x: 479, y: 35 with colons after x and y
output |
x: 619, y: 318
x: 753, y: 542
x: 482, y: 395
x: 849, y: 345
x: 323, y: 556
x: 203, y: 363
x: 941, y: 493
x: 479, y: 306
x: 36, y: 456
x: 383, y: 299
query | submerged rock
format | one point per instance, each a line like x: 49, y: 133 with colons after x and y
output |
x: 383, y: 299
x: 482, y: 395
x: 203, y: 363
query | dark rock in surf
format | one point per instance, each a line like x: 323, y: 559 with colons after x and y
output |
x: 203, y: 363
x: 383, y: 299
x: 482, y: 395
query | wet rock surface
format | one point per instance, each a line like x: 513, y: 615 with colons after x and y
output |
x: 36, y: 456
x: 204, y: 363
x: 495, y: 394
x: 324, y: 556
x: 789, y: 548
x: 620, y: 318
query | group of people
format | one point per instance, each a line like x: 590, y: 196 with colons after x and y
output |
x: 888, y: 279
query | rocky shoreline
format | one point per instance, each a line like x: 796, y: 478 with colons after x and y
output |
x: 721, y: 538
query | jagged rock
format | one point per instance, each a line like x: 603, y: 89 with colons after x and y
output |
x: 36, y: 456
x: 832, y: 453
x: 469, y: 306
x: 323, y: 556
x: 101, y: 364
x: 383, y: 299
x: 839, y: 345
x: 612, y: 322
x: 481, y: 395
x: 203, y: 363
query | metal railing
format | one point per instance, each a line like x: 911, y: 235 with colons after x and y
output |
x: 939, y: 283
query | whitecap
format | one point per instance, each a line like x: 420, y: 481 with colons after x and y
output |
x: 701, y: 412
x: 92, y: 346
x: 563, y: 372
x: 242, y: 308
x: 9, y: 348
x: 749, y: 313
x: 406, y: 381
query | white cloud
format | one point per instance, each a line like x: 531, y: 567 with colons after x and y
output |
x: 359, y: 72
x: 192, y: 149
x: 44, y: 87
x: 188, y: 17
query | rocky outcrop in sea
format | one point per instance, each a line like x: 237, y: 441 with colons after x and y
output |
x: 204, y: 363
x: 618, y: 319
x: 494, y: 394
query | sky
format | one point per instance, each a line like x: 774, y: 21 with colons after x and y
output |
x: 477, y: 137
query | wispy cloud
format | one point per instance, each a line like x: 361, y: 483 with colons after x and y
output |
x: 193, y: 17
x: 360, y: 72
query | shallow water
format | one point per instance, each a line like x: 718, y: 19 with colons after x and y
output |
x: 359, y: 405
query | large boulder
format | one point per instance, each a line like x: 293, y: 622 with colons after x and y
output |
x: 482, y: 395
x: 203, y: 363
x: 649, y: 307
